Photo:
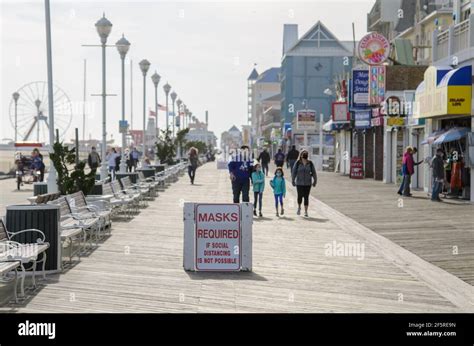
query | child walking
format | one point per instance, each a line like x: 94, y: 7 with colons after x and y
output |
x: 258, y: 181
x: 279, y: 189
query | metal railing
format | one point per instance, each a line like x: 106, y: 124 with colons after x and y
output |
x: 460, y: 40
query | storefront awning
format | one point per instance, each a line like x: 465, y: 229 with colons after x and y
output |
x: 453, y: 134
x: 432, y: 137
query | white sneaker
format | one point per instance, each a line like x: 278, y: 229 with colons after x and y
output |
x: 305, y: 214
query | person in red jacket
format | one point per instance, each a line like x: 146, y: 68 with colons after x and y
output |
x: 408, y: 168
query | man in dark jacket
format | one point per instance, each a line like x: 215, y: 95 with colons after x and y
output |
x: 240, y: 169
x: 93, y: 159
x: 291, y: 157
x: 264, y: 159
x: 437, y: 165
x: 279, y: 158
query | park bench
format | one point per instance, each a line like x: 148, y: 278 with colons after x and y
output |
x: 9, y: 265
x: 132, y: 197
x: 120, y: 203
x: 78, y: 204
x: 152, y: 182
x: 88, y: 224
x: 145, y: 192
x: 27, y: 253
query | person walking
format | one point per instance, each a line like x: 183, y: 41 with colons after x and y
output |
x: 111, y: 156
x: 279, y: 189
x: 258, y: 182
x: 193, y: 159
x: 39, y: 163
x: 240, y: 168
x: 437, y: 165
x: 279, y: 158
x: 291, y: 157
x: 264, y: 159
x: 408, y: 168
x: 134, y: 157
x: 303, y: 176
x: 93, y: 159
x: 128, y: 160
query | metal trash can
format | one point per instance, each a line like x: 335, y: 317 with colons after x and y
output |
x: 40, y: 189
x: 44, y: 217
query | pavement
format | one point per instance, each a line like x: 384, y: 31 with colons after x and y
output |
x: 297, y: 265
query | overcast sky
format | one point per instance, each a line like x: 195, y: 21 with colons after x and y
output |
x: 204, y: 49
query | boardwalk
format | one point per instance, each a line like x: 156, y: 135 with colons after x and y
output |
x: 440, y: 233
x: 139, y: 268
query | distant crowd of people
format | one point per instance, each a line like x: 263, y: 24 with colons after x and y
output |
x: 243, y: 172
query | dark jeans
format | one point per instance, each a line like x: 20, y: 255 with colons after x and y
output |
x: 257, y: 197
x: 279, y: 163
x: 406, y: 185
x: 291, y: 163
x: 437, y: 187
x: 239, y: 186
x: 303, y: 193
x: 192, y: 173
x: 265, y: 168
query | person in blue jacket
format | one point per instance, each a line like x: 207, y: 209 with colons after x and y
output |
x: 279, y: 189
x: 240, y: 168
x: 258, y: 181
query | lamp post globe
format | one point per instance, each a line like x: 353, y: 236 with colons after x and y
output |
x: 144, y: 67
x: 104, y: 27
x: 155, y: 77
x: 122, y: 47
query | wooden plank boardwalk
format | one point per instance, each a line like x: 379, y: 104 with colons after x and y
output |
x: 139, y: 268
x: 440, y: 233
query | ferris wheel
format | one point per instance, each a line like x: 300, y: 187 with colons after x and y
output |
x: 32, y: 110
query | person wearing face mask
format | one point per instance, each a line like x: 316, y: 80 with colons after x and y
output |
x: 303, y: 176
x: 279, y: 189
x: 258, y: 181
x: 437, y: 165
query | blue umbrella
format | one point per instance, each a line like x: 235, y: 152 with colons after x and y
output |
x: 451, y: 135
x: 431, y: 138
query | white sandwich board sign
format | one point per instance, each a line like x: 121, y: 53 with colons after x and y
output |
x: 217, y: 237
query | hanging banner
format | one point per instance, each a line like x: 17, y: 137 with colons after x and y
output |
x: 377, y: 77
x: 360, y: 88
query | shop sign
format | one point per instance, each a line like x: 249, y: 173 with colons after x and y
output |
x: 360, y: 88
x: 340, y: 112
x: 374, y: 48
x: 357, y: 168
x: 218, y: 237
x: 306, y: 120
x: 123, y: 126
x: 395, y: 121
x: 377, y: 76
x: 362, y: 119
x: 378, y: 121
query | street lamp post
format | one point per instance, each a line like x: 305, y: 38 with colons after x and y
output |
x: 144, y: 66
x: 173, y: 99
x: 123, y: 46
x: 103, y: 26
x: 167, y: 89
x: 16, y: 96
x: 156, y: 80
x: 179, y: 103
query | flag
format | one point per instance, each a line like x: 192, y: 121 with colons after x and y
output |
x: 161, y: 107
x: 152, y: 114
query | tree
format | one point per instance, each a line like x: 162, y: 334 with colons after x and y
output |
x: 71, y: 180
x: 165, y: 148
